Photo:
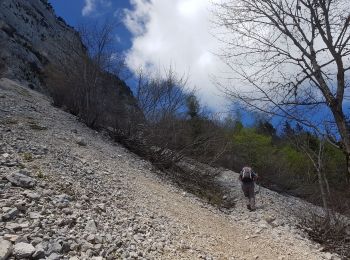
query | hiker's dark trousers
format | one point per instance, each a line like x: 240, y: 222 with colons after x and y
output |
x: 248, y: 190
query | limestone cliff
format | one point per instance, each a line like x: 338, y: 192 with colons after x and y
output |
x: 32, y: 37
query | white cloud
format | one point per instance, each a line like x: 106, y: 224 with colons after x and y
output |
x: 177, y: 33
x: 91, y: 6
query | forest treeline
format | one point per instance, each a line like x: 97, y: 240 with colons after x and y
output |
x: 290, y: 159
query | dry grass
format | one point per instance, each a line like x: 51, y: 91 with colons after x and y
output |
x: 331, y: 232
x: 35, y: 126
x: 28, y: 157
x: 10, y: 121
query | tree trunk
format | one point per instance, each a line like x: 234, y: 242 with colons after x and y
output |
x: 344, y: 133
x: 323, y: 193
x: 348, y: 168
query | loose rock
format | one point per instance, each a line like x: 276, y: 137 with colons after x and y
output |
x: 23, y: 250
x: 5, y: 249
x: 21, y: 180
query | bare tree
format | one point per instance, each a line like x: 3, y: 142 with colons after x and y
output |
x: 161, y: 96
x: 3, y: 67
x: 293, y: 57
x: 100, y: 41
x: 316, y: 158
x: 77, y: 79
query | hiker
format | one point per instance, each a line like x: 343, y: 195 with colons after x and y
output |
x: 247, y: 177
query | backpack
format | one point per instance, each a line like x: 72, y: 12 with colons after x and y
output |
x: 247, y: 174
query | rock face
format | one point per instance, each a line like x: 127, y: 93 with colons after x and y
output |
x: 32, y: 37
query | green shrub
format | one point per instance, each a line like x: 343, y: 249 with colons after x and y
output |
x: 28, y: 157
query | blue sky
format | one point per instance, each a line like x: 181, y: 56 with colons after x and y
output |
x: 158, y: 34
x: 155, y: 36
x: 73, y: 13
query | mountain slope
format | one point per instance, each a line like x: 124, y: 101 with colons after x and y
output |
x: 31, y: 36
x: 33, y: 40
x: 94, y: 198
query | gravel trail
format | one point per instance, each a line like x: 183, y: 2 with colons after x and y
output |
x: 68, y: 192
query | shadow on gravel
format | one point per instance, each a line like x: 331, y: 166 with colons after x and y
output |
x: 207, y: 183
x: 332, y: 231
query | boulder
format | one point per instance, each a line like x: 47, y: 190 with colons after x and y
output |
x: 23, y: 250
x: 21, y: 180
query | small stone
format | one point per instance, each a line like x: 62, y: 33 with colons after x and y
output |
x: 98, y: 247
x: 91, y: 226
x: 32, y: 195
x: 67, y: 211
x: 133, y: 254
x: 65, y: 247
x: 11, y: 238
x: 10, y: 214
x: 80, y: 141
x: 99, y: 239
x: 137, y: 238
x: 54, y: 256
x: 34, y: 215
x: 84, y: 197
x: 39, y: 251
x: 63, y: 198
x: 13, y: 226
x: 73, y: 246
x: 55, y: 247
x: 90, y: 238
x: 109, y: 238
x: 86, y: 246
x: 258, y: 231
x: 102, y: 207
x: 5, y: 249
x: 269, y: 219
x: 23, y: 250
x: 21, y: 205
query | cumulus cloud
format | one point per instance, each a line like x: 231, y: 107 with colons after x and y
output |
x: 92, y: 6
x: 176, y: 33
x: 89, y: 7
